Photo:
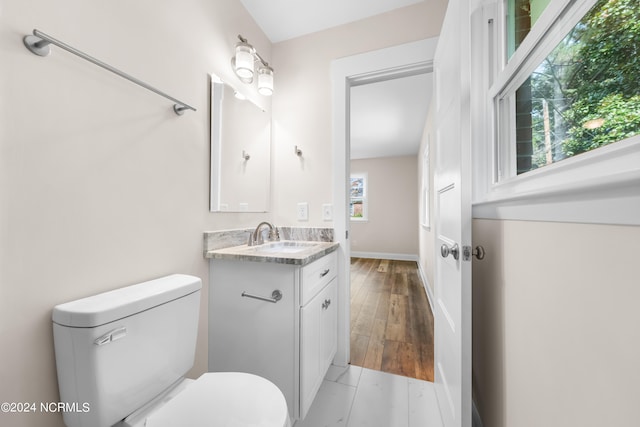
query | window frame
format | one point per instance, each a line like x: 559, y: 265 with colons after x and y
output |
x: 365, y: 195
x: 600, y: 186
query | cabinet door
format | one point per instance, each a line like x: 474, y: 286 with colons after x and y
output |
x: 251, y: 335
x: 318, y: 342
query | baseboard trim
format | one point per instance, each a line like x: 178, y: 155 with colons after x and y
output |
x: 385, y: 255
x: 425, y: 283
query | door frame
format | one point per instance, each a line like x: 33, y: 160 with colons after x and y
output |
x: 379, y: 65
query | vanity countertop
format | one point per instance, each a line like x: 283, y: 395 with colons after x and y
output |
x: 282, y: 252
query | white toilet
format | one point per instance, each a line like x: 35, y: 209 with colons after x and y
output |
x: 121, y: 357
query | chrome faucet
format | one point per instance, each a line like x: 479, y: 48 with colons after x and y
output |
x: 255, y: 238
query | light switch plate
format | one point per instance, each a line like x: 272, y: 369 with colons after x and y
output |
x: 327, y: 212
x: 303, y: 211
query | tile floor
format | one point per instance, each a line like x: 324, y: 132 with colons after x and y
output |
x: 355, y: 396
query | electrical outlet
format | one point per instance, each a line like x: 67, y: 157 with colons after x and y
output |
x: 303, y: 211
x: 327, y: 212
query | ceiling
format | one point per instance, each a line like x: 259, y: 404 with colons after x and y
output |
x: 286, y: 19
x: 388, y: 117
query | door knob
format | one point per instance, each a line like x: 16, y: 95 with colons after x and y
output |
x: 453, y: 250
x: 478, y: 252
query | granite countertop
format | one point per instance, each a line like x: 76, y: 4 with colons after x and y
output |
x: 281, y: 252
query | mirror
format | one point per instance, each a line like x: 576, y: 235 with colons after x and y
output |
x: 240, y: 152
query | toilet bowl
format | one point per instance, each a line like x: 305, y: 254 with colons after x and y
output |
x: 124, y: 353
x: 216, y: 399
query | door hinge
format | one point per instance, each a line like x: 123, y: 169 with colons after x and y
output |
x: 346, y: 234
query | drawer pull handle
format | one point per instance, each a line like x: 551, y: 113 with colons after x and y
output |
x: 326, y: 304
x: 275, y: 296
x: 324, y: 273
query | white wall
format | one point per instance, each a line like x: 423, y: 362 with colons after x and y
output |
x: 101, y: 184
x: 555, y: 324
x: 426, y: 235
x: 392, y: 207
x: 302, y: 106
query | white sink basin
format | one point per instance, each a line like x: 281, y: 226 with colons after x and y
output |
x: 283, y: 247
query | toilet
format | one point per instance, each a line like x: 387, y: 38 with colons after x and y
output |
x: 121, y: 358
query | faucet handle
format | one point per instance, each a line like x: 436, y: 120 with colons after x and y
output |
x: 274, y: 234
x: 250, y: 242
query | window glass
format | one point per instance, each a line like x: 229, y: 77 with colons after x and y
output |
x: 521, y: 16
x: 358, y: 205
x: 586, y: 92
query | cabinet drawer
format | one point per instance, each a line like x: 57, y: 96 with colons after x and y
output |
x: 316, y: 275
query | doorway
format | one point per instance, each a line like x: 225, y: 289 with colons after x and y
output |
x: 391, y: 323
x: 404, y: 60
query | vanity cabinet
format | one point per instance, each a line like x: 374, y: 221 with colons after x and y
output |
x: 288, y: 336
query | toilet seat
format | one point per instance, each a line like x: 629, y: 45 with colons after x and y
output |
x: 229, y: 399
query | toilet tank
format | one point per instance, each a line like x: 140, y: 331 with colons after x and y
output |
x: 117, y: 350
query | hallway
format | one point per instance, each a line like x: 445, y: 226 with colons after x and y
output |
x: 391, y: 321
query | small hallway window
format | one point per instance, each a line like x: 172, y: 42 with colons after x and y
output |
x: 358, y: 194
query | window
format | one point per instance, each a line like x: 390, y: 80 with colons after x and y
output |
x: 521, y: 16
x: 358, y: 204
x: 583, y: 94
x: 557, y: 110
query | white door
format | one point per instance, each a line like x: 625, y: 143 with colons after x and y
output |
x: 452, y: 184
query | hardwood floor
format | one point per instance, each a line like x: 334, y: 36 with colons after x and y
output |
x: 391, y: 321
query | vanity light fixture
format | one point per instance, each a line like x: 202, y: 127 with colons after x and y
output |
x: 243, y: 61
x: 243, y: 64
x: 265, y: 80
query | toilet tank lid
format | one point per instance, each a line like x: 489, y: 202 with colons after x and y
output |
x: 109, y: 306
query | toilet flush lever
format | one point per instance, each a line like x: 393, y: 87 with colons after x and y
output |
x: 113, y: 335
